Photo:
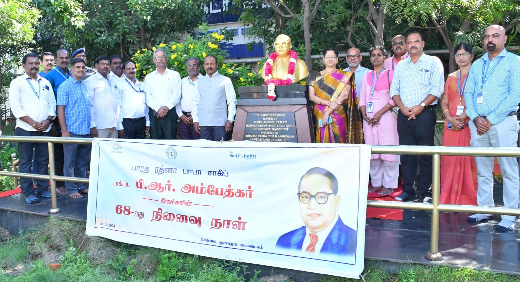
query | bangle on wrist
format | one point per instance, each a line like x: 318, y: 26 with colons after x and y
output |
x: 445, y: 111
x: 33, y: 123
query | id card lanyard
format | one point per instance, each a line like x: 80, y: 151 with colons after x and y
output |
x: 460, y: 107
x: 32, y: 87
x: 126, y: 79
x: 372, y: 90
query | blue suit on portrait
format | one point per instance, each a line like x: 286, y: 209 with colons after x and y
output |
x: 340, y: 241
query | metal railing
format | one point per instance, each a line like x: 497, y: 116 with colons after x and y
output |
x: 434, y: 207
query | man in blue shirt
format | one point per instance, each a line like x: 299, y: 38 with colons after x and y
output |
x: 56, y: 77
x: 354, y: 65
x: 418, y: 83
x: 47, y: 63
x: 74, y: 116
x: 492, y: 95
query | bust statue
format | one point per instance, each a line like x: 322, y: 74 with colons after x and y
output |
x: 283, y: 66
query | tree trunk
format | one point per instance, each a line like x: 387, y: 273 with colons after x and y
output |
x: 307, y: 33
x: 142, y: 35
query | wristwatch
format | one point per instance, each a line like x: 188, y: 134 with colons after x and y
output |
x: 423, y: 105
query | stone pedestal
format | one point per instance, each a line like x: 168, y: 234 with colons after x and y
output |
x: 288, y: 119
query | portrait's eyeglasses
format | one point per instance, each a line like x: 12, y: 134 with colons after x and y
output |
x: 320, y: 197
x: 330, y: 57
x: 398, y: 43
x: 465, y: 54
x: 160, y: 57
x: 494, y: 36
x: 352, y: 56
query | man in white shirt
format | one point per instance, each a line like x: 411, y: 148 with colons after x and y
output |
x: 163, y: 93
x: 210, y: 119
x: 104, y: 103
x: 133, y: 110
x: 33, y: 104
x: 184, y: 108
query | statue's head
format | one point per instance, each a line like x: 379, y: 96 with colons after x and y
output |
x: 282, y: 45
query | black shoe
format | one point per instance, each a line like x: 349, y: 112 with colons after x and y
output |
x: 405, y: 197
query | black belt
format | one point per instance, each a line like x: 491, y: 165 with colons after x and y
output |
x: 135, y: 119
x: 431, y: 106
x: 186, y: 113
x: 513, y: 113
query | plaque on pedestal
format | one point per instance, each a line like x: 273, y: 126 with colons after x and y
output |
x: 287, y: 119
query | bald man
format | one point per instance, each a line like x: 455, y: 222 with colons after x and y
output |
x: 492, y: 95
x: 354, y: 65
x: 398, y: 51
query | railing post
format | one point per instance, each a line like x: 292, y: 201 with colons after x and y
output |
x: 54, y: 202
x: 434, y: 253
x: 13, y: 161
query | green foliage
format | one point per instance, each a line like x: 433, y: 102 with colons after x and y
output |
x: 12, y: 252
x: 7, y: 182
x: 124, y: 267
x: 177, y: 55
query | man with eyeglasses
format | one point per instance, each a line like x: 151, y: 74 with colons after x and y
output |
x: 324, y: 231
x: 163, y: 93
x: 184, y: 108
x: 417, y: 84
x: 354, y: 65
x: 399, y: 53
x: 215, y: 91
x: 492, y: 95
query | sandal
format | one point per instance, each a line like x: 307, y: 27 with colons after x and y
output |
x: 386, y: 191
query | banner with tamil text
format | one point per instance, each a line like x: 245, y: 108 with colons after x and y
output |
x: 288, y: 205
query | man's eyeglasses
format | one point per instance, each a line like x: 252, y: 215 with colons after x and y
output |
x: 398, y: 43
x: 352, y: 56
x: 465, y: 54
x: 160, y: 57
x: 320, y: 197
x: 193, y: 66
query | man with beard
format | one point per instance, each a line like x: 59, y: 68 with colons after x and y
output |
x: 33, y: 104
x: 492, y: 95
x: 56, y: 77
x: 47, y: 63
x: 354, y: 65
x: 163, y: 93
x: 210, y: 119
x: 417, y: 84
x: 74, y: 116
x: 104, y: 102
x: 184, y: 108
x: 116, y: 69
x: 133, y: 112
x: 399, y: 51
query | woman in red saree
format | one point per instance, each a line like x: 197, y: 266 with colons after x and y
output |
x: 458, y: 173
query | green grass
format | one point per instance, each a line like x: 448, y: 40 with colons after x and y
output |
x: 25, y: 258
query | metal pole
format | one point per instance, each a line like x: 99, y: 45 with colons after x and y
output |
x: 434, y: 253
x: 54, y: 202
x: 13, y: 160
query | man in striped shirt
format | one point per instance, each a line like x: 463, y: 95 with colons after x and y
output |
x: 417, y: 84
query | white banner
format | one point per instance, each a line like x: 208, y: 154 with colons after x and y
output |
x: 288, y: 205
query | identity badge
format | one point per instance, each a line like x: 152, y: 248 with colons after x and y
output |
x: 370, y: 107
x: 460, y: 110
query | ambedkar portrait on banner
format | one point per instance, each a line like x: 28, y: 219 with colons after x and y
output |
x: 324, y: 232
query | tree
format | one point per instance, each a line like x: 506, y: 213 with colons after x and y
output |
x: 17, y: 21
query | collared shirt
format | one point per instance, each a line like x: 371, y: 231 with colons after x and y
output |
x: 104, y: 103
x: 163, y: 89
x: 32, y: 98
x: 56, y: 77
x: 112, y: 77
x: 132, y: 100
x: 359, y: 73
x: 189, y: 89
x: 500, y: 91
x: 43, y: 73
x: 391, y: 63
x: 413, y: 82
x: 322, y: 235
x: 213, y: 86
x: 73, y: 95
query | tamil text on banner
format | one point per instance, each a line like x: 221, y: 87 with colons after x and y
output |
x: 295, y: 206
